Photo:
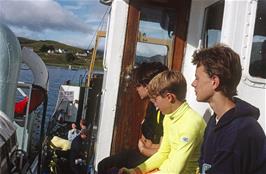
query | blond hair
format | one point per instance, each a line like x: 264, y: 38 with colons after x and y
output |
x: 169, y: 81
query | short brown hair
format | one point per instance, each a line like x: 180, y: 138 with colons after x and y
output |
x: 83, y: 122
x: 168, y: 81
x: 223, y: 62
x: 143, y: 74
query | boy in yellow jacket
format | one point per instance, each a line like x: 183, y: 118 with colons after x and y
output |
x: 183, y: 128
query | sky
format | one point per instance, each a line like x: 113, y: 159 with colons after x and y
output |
x: 72, y: 22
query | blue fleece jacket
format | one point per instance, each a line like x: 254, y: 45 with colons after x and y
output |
x: 236, y: 144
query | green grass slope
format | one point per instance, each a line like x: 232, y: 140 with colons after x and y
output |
x: 59, y: 59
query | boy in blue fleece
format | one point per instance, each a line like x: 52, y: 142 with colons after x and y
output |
x: 234, y: 142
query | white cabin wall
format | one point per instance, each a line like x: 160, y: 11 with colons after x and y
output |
x: 112, y: 69
x: 252, y: 89
x: 238, y: 28
x: 233, y: 24
x: 193, y: 42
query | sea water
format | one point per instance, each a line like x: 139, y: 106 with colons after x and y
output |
x: 57, y: 77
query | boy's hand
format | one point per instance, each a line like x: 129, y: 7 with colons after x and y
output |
x: 146, y: 142
x: 140, y: 145
x: 126, y: 171
x: 129, y: 171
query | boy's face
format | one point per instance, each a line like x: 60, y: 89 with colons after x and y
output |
x: 204, y: 85
x: 82, y: 125
x: 83, y: 136
x: 73, y: 125
x: 163, y: 103
x: 142, y: 91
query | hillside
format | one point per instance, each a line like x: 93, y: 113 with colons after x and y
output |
x: 36, y: 45
x: 67, y: 55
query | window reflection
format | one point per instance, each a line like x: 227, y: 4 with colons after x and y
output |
x: 157, y: 22
x: 213, y: 19
x: 150, y: 53
x: 258, y: 53
x: 155, y: 33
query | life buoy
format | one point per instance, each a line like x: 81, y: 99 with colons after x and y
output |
x: 39, y: 86
x: 37, y: 97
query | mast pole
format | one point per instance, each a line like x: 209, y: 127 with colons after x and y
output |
x: 93, y: 57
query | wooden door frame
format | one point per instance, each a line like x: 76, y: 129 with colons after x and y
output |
x: 123, y: 122
x: 180, y: 40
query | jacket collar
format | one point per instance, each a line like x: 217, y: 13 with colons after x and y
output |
x: 179, y: 112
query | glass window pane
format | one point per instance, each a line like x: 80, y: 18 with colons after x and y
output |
x: 150, y: 53
x: 152, y: 29
x: 156, y: 27
x: 213, y: 19
x: 257, y: 66
x: 157, y: 22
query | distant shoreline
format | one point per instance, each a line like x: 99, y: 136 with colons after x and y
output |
x: 73, y: 66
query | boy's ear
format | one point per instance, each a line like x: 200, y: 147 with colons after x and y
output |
x: 171, y: 97
x: 215, y: 81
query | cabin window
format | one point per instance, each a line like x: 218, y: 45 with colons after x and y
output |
x: 150, y: 53
x: 155, y: 35
x: 212, y: 27
x: 257, y: 66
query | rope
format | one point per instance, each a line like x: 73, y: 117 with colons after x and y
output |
x: 99, y: 26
